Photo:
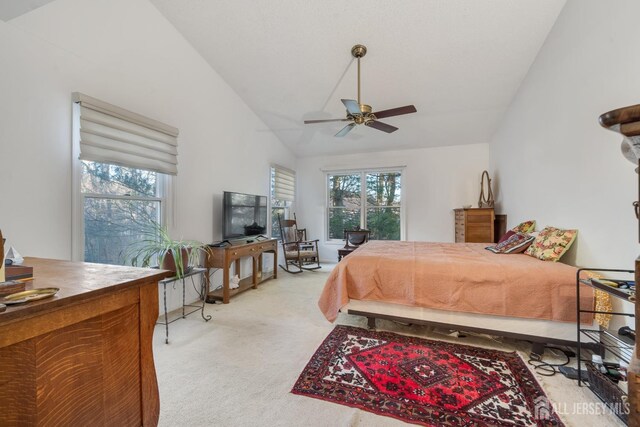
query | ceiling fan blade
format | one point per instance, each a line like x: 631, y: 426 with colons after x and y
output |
x: 345, y: 130
x: 352, y: 107
x: 382, y: 126
x: 407, y: 109
x: 306, y: 122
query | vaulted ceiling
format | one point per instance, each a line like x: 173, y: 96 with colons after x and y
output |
x: 460, y: 62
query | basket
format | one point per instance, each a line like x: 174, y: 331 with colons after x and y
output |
x: 608, y: 392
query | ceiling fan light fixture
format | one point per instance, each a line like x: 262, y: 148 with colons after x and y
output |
x: 359, y: 113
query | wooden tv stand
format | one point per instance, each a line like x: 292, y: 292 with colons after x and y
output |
x: 224, y: 256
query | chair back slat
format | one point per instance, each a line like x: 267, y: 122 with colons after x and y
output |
x: 355, y: 238
x: 289, y: 235
x: 288, y: 230
x: 298, y: 252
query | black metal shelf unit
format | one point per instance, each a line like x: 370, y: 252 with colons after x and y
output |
x: 611, y: 343
x: 603, y: 339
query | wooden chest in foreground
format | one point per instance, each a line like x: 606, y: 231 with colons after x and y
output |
x: 84, y: 356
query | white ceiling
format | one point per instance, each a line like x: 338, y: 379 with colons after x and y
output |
x: 10, y: 9
x: 460, y: 62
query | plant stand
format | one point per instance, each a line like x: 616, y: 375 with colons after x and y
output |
x: 192, y: 273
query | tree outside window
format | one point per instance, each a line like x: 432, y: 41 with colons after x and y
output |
x: 118, y: 203
x: 383, y: 205
x: 345, y: 202
x: 279, y: 208
x: 370, y: 200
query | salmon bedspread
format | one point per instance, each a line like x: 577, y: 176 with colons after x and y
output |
x: 456, y: 277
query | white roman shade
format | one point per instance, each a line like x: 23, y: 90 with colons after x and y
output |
x: 110, y: 134
x: 285, y: 184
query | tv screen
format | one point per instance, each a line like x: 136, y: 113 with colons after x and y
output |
x: 244, y: 215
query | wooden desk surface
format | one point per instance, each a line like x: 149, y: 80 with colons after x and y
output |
x: 84, y: 356
x: 77, y: 281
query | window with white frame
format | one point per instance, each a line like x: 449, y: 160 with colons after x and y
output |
x: 283, y: 191
x: 118, y: 203
x: 365, y: 199
x: 123, y: 173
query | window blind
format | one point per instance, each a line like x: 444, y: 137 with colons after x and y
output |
x: 284, y: 187
x: 110, y: 134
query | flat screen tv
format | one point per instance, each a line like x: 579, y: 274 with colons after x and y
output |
x: 243, y: 215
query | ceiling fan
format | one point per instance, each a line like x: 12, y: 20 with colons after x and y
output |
x: 361, y: 114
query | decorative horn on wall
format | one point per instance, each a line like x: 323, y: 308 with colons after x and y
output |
x: 486, y: 193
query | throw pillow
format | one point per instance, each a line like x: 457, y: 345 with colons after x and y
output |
x: 525, y: 227
x: 516, y: 243
x: 508, y: 234
x: 551, y: 244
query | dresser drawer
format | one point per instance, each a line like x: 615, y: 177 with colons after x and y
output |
x: 269, y: 246
x: 474, y: 225
x: 479, y: 219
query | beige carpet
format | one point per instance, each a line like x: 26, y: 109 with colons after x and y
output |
x: 238, y: 369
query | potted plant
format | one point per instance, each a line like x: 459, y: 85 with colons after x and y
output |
x: 156, y: 244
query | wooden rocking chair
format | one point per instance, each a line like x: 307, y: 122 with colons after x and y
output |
x: 298, y: 251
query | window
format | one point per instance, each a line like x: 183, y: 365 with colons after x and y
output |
x: 283, y: 188
x: 117, y: 204
x: 122, y: 165
x: 365, y: 199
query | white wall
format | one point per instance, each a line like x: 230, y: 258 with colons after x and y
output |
x: 435, y: 181
x: 126, y: 53
x: 554, y: 162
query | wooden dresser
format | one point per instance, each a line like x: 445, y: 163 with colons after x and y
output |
x: 84, y: 356
x: 474, y: 225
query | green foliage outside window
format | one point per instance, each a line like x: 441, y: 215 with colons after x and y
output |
x: 276, y: 212
x: 278, y: 207
x: 381, y: 202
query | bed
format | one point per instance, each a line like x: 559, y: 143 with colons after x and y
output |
x: 460, y: 286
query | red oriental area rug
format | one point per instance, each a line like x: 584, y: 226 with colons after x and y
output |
x: 425, y: 382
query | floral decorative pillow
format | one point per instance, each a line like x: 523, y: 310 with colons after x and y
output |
x: 525, y: 227
x: 551, y: 244
x: 513, y: 244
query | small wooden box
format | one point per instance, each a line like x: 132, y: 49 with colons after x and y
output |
x: 10, y: 287
x: 15, y: 272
